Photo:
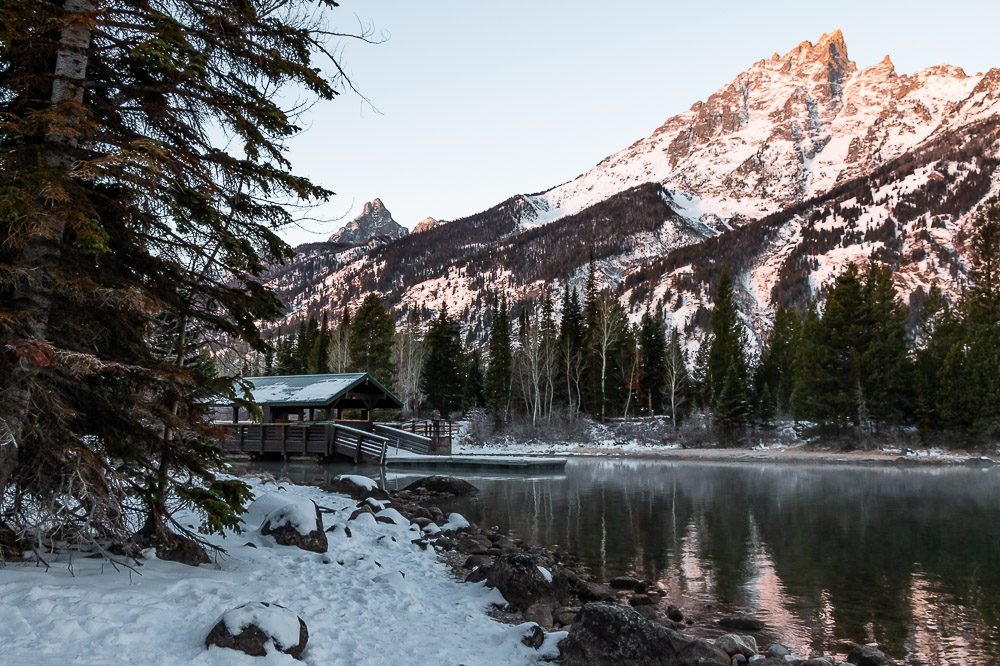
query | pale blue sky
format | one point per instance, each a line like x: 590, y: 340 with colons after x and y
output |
x: 483, y: 100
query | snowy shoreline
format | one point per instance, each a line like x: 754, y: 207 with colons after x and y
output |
x: 372, y: 598
x: 804, y: 454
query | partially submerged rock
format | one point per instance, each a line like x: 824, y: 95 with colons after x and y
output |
x: 868, y: 655
x: 299, y: 525
x: 624, y: 582
x: 741, y: 623
x: 249, y: 628
x: 612, y: 634
x: 443, y: 485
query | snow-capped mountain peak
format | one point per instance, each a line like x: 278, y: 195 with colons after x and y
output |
x: 787, y: 129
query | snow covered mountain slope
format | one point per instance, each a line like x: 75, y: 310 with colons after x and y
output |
x: 800, y: 165
x: 788, y: 129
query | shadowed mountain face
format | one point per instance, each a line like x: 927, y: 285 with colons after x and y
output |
x: 800, y: 165
x: 375, y: 221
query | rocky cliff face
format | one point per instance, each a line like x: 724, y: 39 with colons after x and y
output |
x: 798, y: 166
x: 375, y: 221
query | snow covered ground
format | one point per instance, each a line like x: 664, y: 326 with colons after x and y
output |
x: 373, y: 598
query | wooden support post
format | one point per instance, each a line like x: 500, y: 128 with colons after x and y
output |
x: 284, y: 440
x: 357, y: 453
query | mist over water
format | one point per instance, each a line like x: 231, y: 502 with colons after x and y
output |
x: 908, y: 558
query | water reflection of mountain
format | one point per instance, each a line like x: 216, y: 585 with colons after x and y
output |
x: 905, y: 557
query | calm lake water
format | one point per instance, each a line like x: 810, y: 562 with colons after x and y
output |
x: 908, y: 558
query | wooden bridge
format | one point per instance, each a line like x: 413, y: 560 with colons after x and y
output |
x: 328, y: 439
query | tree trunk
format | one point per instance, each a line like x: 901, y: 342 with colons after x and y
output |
x: 34, y: 293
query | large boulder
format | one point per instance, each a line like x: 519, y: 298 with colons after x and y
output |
x: 867, y: 655
x: 249, y: 627
x: 356, y: 486
x: 443, y: 485
x: 299, y: 525
x: 524, y: 584
x: 612, y: 634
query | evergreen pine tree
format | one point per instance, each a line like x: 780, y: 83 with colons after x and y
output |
x: 269, y: 359
x: 731, y: 408
x: 475, y: 383
x: 319, y: 353
x: 727, y: 374
x: 775, y: 370
x: 143, y: 176
x: 807, y: 400
x: 300, y: 358
x: 499, y: 371
x: 842, y: 341
x: 886, y: 378
x: 570, y: 354
x: 653, y: 377
x: 370, y: 342
x: 443, y: 377
x: 970, y: 376
x: 701, y: 382
x: 285, y: 357
x: 937, y: 332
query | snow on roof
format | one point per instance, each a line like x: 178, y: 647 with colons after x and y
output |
x: 305, y: 389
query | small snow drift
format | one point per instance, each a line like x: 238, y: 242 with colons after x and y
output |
x: 250, y: 627
x: 297, y: 524
x: 443, y: 485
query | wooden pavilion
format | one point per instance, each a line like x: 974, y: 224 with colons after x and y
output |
x: 301, y: 398
x: 304, y: 415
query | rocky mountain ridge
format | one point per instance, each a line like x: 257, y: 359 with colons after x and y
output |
x: 801, y: 164
x: 375, y: 221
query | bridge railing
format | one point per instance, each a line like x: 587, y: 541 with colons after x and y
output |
x: 429, y: 427
x: 403, y: 439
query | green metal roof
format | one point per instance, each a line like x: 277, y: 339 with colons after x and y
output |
x: 313, y: 390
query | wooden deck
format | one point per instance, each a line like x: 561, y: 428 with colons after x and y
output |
x: 320, y: 439
x: 327, y: 439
